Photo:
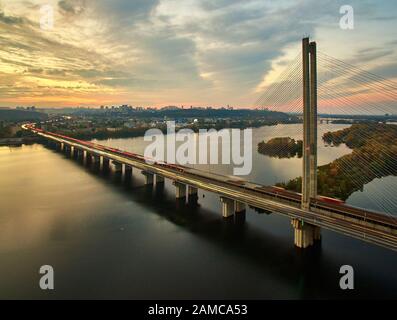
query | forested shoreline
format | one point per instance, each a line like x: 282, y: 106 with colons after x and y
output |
x: 374, y: 156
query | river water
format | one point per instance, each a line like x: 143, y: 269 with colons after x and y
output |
x: 108, y: 239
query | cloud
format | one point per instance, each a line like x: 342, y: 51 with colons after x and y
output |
x: 71, y: 7
x: 388, y: 70
x: 171, y: 51
x: 372, y: 53
x: 10, y: 19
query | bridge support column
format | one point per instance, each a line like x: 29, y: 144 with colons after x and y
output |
x: 148, y: 177
x: 72, y: 151
x: 96, y: 160
x: 105, y: 163
x: 180, y: 190
x: 313, y: 120
x: 228, y: 207
x: 118, y: 167
x: 127, y: 171
x: 317, y: 233
x: 240, y: 207
x: 80, y: 154
x: 305, y: 234
x: 76, y: 152
x: 159, y: 179
x: 192, y: 193
x: 68, y: 150
x: 87, y: 158
x: 309, y: 174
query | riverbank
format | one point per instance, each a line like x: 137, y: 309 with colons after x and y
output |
x: 123, y: 132
x: 374, y: 156
x: 18, y: 141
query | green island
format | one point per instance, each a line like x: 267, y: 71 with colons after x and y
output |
x: 281, y: 147
x: 374, y: 156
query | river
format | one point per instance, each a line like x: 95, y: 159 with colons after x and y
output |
x: 107, y: 239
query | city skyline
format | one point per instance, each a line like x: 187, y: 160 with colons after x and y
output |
x: 157, y: 53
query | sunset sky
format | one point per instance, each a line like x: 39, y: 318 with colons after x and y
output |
x: 172, y: 52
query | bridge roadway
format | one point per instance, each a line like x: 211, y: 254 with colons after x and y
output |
x: 368, y: 226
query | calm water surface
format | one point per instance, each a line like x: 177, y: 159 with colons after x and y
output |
x: 109, y: 239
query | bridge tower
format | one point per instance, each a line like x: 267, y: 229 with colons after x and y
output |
x: 309, y: 176
x: 306, y: 234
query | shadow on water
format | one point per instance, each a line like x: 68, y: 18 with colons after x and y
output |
x: 313, y: 273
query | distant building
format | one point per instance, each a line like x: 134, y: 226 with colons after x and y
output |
x: 170, y: 108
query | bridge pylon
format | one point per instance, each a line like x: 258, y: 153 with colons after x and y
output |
x: 309, y: 175
x: 306, y: 234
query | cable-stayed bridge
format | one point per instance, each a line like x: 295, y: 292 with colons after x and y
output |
x: 299, y: 89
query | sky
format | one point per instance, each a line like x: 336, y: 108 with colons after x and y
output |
x: 173, y: 52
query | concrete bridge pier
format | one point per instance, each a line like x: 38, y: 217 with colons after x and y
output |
x: 192, y: 193
x: 240, y: 207
x: 118, y: 166
x: 96, y: 160
x: 76, y: 153
x: 305, y: 234
x: 180, y: 190
x: 79, y: 154
x: 105, y: 163
x: 66, y: 149
x: 228, y: 207
x: 87, y: 158
x: 149, y: 177
x: 127, y: 171
x: 240, y: 210
x: 232, y: 207
x: 62, y: 147
x: 159, y: 179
